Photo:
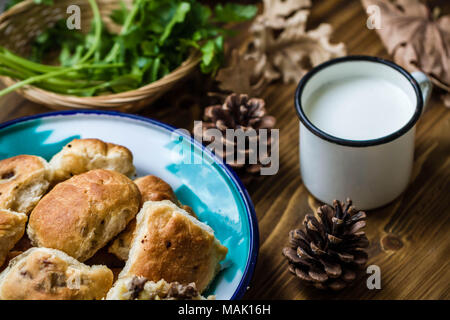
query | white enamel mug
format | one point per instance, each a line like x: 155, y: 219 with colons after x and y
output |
x: 371, y: 172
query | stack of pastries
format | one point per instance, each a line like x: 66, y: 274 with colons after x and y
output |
x: 56, y: 215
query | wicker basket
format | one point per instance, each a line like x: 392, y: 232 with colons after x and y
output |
x: 23, y: 22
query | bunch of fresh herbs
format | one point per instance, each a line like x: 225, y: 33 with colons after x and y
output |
x: 155, y: 38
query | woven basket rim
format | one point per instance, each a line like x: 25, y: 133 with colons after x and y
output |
x: 107, y: 99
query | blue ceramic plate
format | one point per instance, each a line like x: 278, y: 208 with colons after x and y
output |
x: 199, y: 179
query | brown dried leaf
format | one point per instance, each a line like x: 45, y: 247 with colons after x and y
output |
x: 238, y: 76
x: 283, y: 47
x: 416, y: 38
x: 275, y: 11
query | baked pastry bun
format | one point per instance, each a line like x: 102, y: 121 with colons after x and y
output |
x: 170, y: 244
x: 12, y: 228
x: 81, y: 215
x: 82, y: 155
x: 120, y: 247
x: 23, y: 181
x: 139, y: 288
x: 152, y: 188
x: 48, y: 274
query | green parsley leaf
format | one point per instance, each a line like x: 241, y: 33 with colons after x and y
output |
x: 234, y: 12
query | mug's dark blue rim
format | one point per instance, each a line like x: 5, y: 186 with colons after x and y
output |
x: 251, y: 213
x: 358, y: 143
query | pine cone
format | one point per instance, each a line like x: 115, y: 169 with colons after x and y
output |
x: 329, y: 252
x: 238, y: 112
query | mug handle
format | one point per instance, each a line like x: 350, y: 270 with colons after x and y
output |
x: 425, y: 86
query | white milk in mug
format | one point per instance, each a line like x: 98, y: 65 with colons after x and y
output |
x: 357, y: 127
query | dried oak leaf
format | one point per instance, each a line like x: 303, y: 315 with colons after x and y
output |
x: 416, y: 38
x: 238, y: 78
x: 281, y: 45
x: 276, y: 11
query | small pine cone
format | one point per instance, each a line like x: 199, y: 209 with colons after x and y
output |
x: 238, y: 112
x: 329, y: 252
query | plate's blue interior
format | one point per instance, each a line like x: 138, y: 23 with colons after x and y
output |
x: 198, y: 180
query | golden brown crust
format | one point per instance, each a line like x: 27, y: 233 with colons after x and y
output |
x: 82, y: 155
x: 12, y: 228
x: 152, y: 188
x: 171, y: 245
x: 48, y: 274
x: 188, y: 210
x: 79, y: 216
x: 23, y: 181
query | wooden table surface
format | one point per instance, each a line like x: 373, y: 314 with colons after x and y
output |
x: 410, y: 238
